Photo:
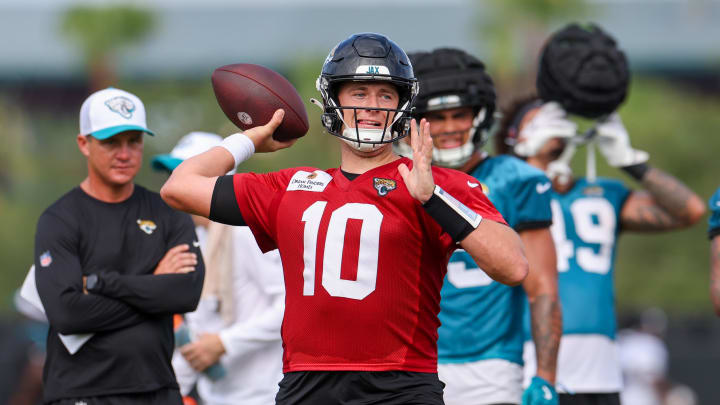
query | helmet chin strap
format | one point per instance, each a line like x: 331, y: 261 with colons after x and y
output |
x: 453, y: 157
x: 365, y: 139
x: 590, y: 167
x: 559, y: 169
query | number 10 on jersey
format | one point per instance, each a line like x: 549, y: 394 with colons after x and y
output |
x: 367, y: 265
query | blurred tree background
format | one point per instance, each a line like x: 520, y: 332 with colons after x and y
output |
x: 673, y: 120
x: 101, y: 32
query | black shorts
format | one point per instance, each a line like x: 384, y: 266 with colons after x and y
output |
x: 167, y: 396
x: 360, y: 387
x: 590, y: 399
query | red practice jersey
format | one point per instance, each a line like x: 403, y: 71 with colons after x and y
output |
x: 363, y: 263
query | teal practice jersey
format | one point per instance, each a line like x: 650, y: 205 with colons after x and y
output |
x: 714, y: 204
x: 586, y: 224
x: 481, y: 318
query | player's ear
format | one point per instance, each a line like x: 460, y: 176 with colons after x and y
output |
x: 84, y: 144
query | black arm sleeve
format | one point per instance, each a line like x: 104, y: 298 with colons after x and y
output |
x: 163, y: 293
x: 223, y: 206
x: 713, y: 233
x: 58, y: 277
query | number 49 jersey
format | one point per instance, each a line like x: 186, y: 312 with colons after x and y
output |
x: 363, y: 263
x: 586, y: 224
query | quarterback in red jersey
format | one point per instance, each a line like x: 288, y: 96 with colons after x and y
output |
x: 364, y: 246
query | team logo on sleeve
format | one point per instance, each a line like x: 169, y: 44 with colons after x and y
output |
x: 45, y: 259
x: 146, y: 226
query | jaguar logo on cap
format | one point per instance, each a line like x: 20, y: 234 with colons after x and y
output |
x: 121, y: 105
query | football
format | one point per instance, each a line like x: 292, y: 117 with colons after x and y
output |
x: 249, y: 95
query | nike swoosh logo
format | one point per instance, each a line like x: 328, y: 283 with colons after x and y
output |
x: 541, y: 188
x: 196, y: 244
x: 546, y: 393
x: 472, y: 185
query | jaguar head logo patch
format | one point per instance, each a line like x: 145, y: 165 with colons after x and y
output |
x: 146, y: 226
x: 384, y: 186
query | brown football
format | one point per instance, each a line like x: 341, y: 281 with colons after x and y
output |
x: 249, y: 95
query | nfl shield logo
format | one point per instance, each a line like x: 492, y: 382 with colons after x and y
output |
x: 45, y: 259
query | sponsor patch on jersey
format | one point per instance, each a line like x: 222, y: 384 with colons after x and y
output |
x: 146, y: 226
x: 384, y: 186
x: 45, y: 259
x: 121, y: 105
x: 307, y: 181
x: 593, y: 190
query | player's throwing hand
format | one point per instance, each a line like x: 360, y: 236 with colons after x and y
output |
x: 419, y: 181
x: 262, y: 138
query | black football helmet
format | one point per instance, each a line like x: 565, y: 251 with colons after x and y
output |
x: 367, y: 57
x: 451, y: 78
x: 582, y: 68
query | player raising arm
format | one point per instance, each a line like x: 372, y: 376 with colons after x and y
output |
x: 587, y: 219
x: 481, y: 338
x: 364, y: 246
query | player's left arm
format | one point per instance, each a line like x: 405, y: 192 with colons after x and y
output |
x: 495, y: 247
x: 715, y: 273
x: 160, y: 293
x: 541, y: 286
x: 665, y: 203
x: 714, y: 236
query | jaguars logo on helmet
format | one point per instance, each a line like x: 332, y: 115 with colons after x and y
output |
x: 367, y: 57
x: 452, y: 78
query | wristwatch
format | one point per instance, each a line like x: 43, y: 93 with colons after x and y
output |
x: 92, y: 283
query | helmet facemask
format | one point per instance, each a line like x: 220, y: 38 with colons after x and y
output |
x: 451, y: 78
x: 457, y: 156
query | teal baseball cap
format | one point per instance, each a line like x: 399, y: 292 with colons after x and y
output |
x: 189, y: 145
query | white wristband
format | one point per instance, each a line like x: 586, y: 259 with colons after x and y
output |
x: 239, y: 146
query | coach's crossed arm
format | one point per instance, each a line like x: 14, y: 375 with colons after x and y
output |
x: 59, y: 283
x: 173, y: 290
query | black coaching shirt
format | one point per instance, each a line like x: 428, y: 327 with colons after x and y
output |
x: 130, y: 313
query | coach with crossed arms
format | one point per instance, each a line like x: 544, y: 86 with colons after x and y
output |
x: 112, y: 259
